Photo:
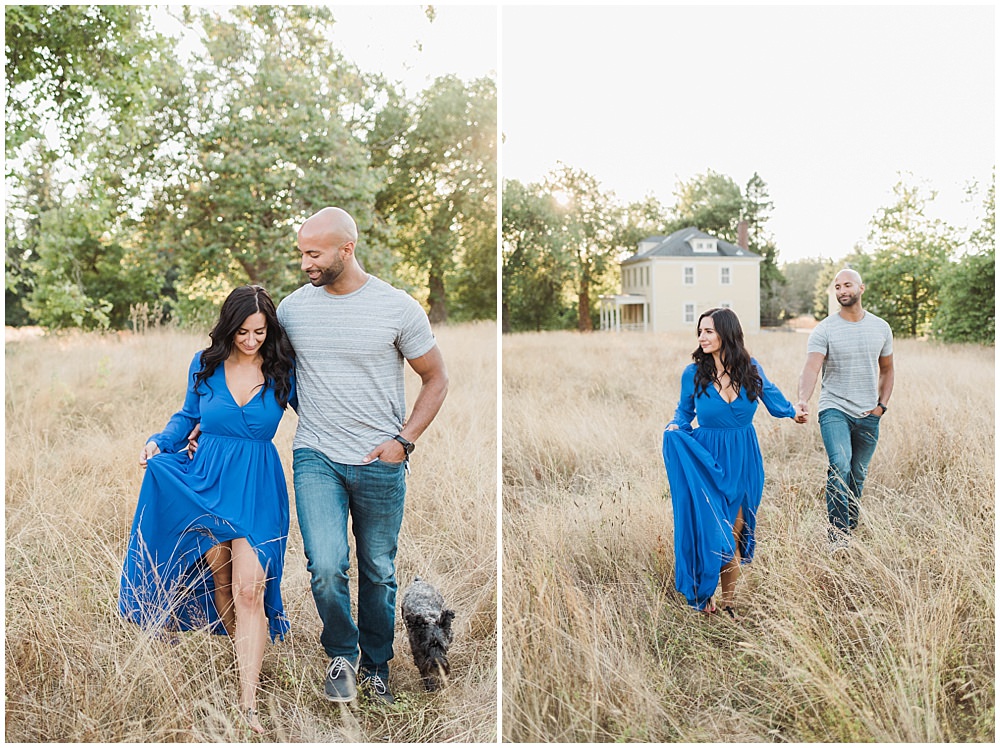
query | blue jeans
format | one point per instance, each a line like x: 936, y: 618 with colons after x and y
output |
x: 850, y: 443
x: 373, y: 494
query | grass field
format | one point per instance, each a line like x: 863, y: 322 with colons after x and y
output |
x: 892, y: 642
x: 78, y: 410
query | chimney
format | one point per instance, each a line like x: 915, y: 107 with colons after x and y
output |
x: 742, y: 238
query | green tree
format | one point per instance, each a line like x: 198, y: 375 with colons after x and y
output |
x: 276, y: 142
x: 440, y: 191
x: 646, y: 217
x: 799, y: 291
x: 710, y: 202
x: 902, y: 275
x: 84, y: 277
x: 591, y: 227
x: 64, y: 63
x: 968, y: 289
x: 756, y: 211
x: 102, y: 85
x: 537, y: 265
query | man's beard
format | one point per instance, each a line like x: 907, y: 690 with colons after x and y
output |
x: 851, y: 300
x: 328, y: 276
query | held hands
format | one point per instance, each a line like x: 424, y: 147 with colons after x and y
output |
x: 151, y: 448
x: 801, y: 413
x: 672, y: 427
x: 388, y: 451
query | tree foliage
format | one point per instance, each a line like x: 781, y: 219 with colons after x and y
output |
x: 272, y: 148
x: 125, y: 161
x: 711, y: 202
x: 797, y: 295
x: 440, y: 191
x: 903, y: 274
x: 537, y: 264
x: 66, y: 62
x: 590, y: 221
x: 967, y: 313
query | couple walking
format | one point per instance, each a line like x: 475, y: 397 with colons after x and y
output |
x: 208, y: 540
x: 715, y: 471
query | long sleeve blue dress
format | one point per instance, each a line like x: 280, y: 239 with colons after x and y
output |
x: 713, y: 472
x: 233, y: 488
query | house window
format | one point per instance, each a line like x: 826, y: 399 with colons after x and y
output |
x: 689, y: 314
x: 647, y: 274
x: 689, y: 275
x: 725, y: 276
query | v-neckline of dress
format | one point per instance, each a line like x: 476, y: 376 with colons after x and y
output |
x: 719, y: 393
x: 257, y: 390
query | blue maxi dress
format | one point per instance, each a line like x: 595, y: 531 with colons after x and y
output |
x: 713, y: 472
x: 233, y: 488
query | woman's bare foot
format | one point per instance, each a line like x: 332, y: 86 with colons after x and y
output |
x: 709, y: 608
x: 252, y: 719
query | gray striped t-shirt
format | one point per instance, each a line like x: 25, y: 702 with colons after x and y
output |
x: 349, y: 353
x: 850, y: 369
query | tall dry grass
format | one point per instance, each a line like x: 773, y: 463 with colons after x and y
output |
x: 78, y: 409
x: 892, y: 642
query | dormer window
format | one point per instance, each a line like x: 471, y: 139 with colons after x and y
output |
x: 705, y: 245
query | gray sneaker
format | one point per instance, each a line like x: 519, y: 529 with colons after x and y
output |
x: 376, y: 688
x: 341, y: 682
x: 840, y: 542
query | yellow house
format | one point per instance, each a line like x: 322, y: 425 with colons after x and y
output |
x: 671, y: 280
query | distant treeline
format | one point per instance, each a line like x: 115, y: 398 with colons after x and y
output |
x: 564, y: 237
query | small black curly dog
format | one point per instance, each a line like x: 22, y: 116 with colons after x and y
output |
x: 428, y: 626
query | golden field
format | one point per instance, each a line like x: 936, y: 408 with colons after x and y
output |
x: 892, y: 642
x: 78, y: 410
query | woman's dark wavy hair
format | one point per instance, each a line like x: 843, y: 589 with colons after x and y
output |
x: 277, y: 353
x: 735, y: 356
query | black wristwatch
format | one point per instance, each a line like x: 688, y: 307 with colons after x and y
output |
x: 408, y: 446
x: 882, y: 406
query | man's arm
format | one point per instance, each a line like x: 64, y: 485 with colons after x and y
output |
x: 886, y: 378
x: 433, y: 388
x: 809, y: 377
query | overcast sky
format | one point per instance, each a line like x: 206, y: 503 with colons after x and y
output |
x: 401, y: 42
x: 828, y: 104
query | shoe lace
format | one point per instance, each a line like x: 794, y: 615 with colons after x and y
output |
x: 337, y: 666
x: 376, y: 683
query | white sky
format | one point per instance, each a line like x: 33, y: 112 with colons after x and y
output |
x: 400, y: 42
x: 828, y: 104
x: 403, y: 44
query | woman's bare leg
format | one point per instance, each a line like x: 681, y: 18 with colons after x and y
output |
x: 251, y: 624
x: 219, y: 559
x: 731, y: 571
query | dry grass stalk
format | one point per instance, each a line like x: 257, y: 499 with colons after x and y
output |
x: 895, y: 642
x: 78, y: 408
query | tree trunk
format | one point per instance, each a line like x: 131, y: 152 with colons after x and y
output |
x: 584, y: 323
x: 438, y: 312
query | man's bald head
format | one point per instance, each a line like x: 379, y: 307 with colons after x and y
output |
x: 332, y: 226
x: 849, y: 273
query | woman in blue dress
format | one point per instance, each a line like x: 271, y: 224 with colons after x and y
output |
x: 715, y: 472
x: 207, y: 544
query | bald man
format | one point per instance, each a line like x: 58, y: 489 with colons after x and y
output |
x: 352, y: 332
x: 853, y: 350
